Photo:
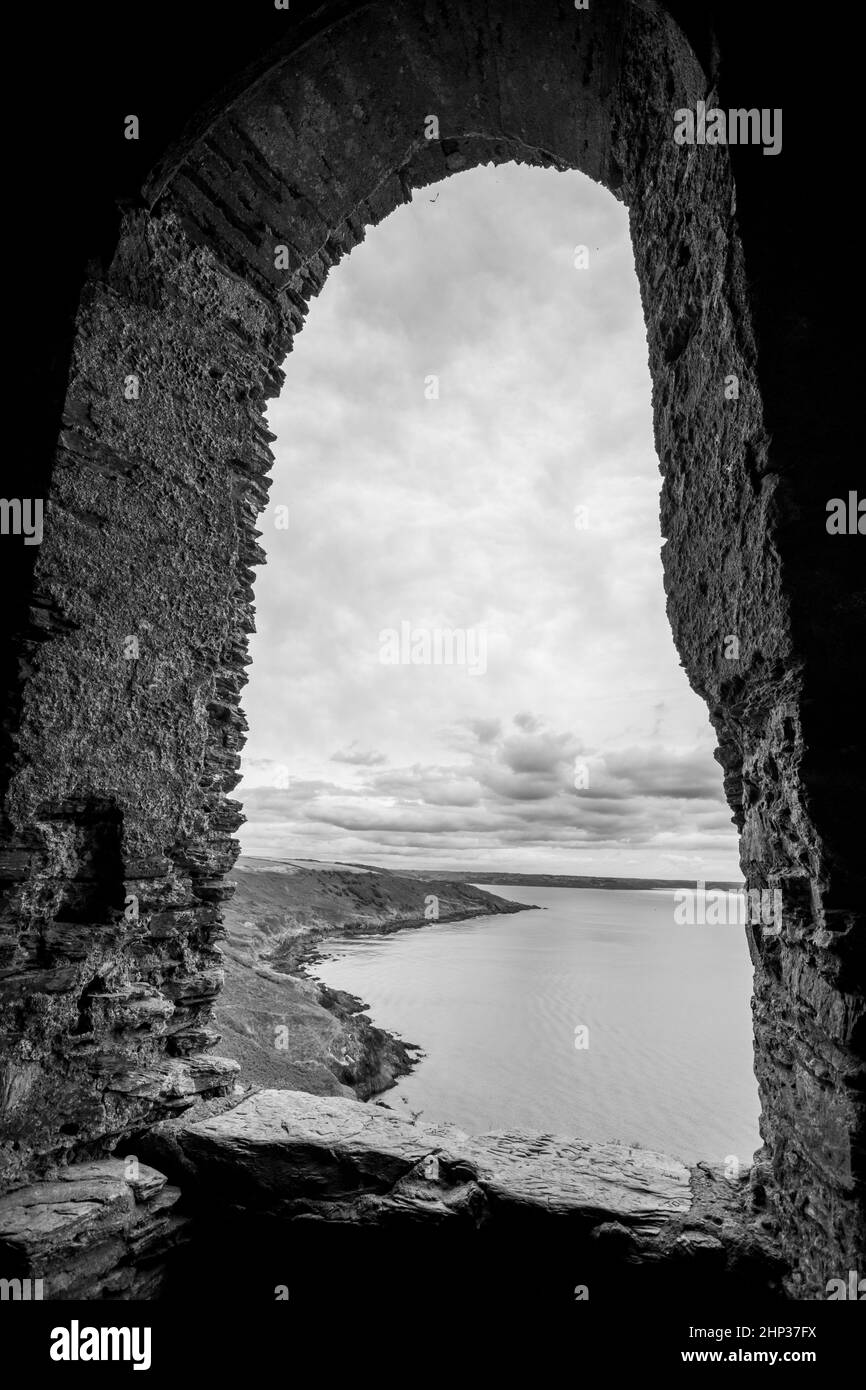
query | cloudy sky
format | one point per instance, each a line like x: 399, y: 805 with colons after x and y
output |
x: 518, y: 507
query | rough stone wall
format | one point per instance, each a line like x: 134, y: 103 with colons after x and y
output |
x: 735, y: 566
x: 123, y: 828
x: 125, y: 763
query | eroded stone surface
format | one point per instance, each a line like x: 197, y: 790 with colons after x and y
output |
x: 288, y: 1157
x: 100, y: 1230
x: 292, y: 1151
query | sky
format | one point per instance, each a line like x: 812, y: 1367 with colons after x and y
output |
x: 465, y: 468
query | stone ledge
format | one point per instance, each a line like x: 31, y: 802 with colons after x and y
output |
x: 91, y: 1232
x: 283, y: 1174
x: 294, y: 1153
x: 286, y: 1158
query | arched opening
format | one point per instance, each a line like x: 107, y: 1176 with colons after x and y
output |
x: 465, y: 437
x: 154, y: 497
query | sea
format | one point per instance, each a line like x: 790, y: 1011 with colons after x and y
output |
x: 593, y: 1014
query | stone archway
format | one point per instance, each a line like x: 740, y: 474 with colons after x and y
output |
x: 131, y: 723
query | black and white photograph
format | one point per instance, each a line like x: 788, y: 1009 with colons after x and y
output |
x: 433, y: 890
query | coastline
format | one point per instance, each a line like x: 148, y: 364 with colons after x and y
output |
x: 287, y: 1028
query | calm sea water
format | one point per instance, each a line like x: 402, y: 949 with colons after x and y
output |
x: 495, y: 1001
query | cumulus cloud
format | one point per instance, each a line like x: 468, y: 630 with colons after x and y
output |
x: 358, y: 757
x: 485, y: 730
x: 514, y: 793
x: 530, y: 723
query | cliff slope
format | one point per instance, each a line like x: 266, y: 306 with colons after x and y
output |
x: 285, y: 1028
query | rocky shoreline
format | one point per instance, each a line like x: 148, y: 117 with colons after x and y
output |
x: 373, y: 1060
x: 286, y: 1027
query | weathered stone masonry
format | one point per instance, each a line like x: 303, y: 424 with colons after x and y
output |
x: 119, y: 824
